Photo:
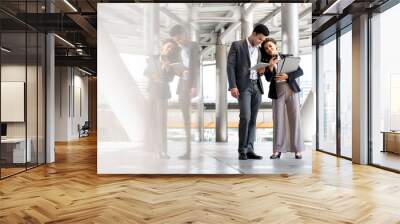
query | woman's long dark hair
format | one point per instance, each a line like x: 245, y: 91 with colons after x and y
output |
x: 175, y: 54
x: 265, y: 57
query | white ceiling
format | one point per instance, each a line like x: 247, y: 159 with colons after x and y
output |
x: 206, y: 18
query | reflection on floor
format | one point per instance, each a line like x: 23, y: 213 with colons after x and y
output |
x: 262, y: 134
x: 10, y: 171
x: 386, y: 159
x: 206, y: 158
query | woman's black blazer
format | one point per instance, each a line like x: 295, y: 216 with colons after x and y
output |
x: 291, y: 80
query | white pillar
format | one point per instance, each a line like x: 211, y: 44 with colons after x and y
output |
x: 221, y: 105
x: 246, y: 22
x: 237, y: 34
x: 65, y: 130
x: 152, y: 28
x: 194, y: 35
x: 290, y: 28
x: 192, y: 26
x: 50, y: 92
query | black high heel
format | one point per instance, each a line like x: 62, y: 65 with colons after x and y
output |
x: 298, y: 156
x: 275, y: 156
x: 163, y: 155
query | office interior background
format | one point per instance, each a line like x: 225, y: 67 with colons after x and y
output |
x: 48, y: 82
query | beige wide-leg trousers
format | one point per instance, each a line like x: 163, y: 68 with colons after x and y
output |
x: 287, y: 106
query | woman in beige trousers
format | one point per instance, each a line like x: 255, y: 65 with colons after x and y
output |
x: 283, y: 91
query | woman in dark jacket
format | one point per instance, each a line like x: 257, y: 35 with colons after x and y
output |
x: 283, y: 91
x: 160, y: 73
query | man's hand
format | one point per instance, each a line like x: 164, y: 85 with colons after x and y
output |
x: 164, y: 51
x: 235, y: 92
x: 193, y: 92
x: 184, y: 74
x: 261, y: 71
x: 281, y: 77
x: 165, y: 66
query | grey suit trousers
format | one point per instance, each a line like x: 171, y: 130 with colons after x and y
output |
x: 288, y: 101
x: 185, y: 105
x: 249, y: 103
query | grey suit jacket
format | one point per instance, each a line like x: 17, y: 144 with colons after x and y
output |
x: 185, y: 85
x: 238, y: 66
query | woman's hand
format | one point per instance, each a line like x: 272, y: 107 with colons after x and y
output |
x: 281, y: 77
x: 272, y: 64
x: 273, y: 61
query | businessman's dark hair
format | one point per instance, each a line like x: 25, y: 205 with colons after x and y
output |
x: 177, y: 30
x: 261, y: 28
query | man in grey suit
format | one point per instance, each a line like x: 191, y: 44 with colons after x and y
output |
x: 246, y: 86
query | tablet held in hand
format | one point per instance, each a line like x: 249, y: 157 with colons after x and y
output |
x: 259, y: 65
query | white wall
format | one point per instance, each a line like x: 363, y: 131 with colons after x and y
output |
x: 71, y: 94
x: 81, y: 103
x: 33, y: 127
x: 12, y: 73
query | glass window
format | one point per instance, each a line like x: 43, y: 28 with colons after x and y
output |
x: 209, y: 82
x: 305, y: 81
x: 385, y: 84
x: 31, y: 101
x: 22, y: 92
x: 346, y: 94
x: 41, y: 79
x: 327, y: 96
x: 15, y: 150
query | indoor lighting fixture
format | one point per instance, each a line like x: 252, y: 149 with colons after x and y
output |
x: 337, y: 7
x: 64, y: 40
x: 84, y: 71
x: 5, y: 50
x: 80, y: 51
x: 70, y: 5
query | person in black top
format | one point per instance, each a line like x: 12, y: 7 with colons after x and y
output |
x: 283, y: 91
x: 160, y: 73
x: 188, y: 82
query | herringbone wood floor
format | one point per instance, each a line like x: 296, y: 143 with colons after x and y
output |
x: 70, y: 191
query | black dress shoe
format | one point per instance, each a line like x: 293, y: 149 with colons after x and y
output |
x: 163, y: 155
x: 298, y: 156
x: 242, y: 156
x: 185, y: 156
x: 275, y: 156
x: 252, y: 155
